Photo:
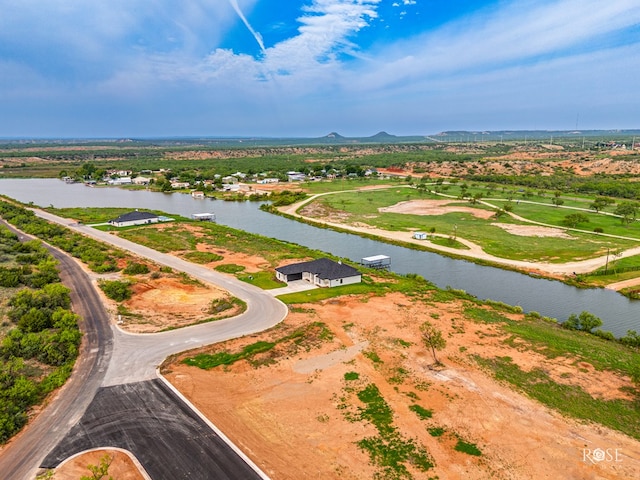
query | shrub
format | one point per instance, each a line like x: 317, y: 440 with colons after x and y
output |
x: 468, y: 448
x: 604, y: 334
x: 421, y: 412
x: 135, y: 268
x: 436, y: 431
x: 116, y: 290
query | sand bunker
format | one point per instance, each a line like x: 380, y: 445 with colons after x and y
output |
x: 435, y: 207
x: 532, y: 230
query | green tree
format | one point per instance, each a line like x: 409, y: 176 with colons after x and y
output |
x: 627, y: 211
x: 475, y: 198
x: 101, y: 471
x: 586, y: 321
x: 599, y: 203
x: 575, y: 219
x: 432, y: 339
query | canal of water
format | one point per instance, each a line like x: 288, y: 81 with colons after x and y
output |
x: 550, y: 298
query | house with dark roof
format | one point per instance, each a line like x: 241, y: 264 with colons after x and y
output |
x: 322, y: 272
x: 134, y: 218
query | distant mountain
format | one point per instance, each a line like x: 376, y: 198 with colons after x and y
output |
x: 383, y: 136
x: 380, y: 137
x: 334, y: 135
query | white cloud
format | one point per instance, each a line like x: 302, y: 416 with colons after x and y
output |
x: 518, y: 32
x: 511, y: 52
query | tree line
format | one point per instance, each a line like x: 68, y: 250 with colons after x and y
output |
x: 99, y: 258
x: 603, y: 185
x: 39, y: 336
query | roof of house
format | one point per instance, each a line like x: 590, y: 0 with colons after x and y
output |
x: 134, y: 216
x: 323, y: 267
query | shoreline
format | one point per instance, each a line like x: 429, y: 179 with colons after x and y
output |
x: 560, y: 271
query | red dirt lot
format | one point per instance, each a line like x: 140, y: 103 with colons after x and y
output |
x: 293, y: 413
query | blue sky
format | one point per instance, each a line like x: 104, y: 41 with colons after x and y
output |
x: 132, y: 68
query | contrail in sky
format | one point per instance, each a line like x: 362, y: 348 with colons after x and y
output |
x: 256, y: 35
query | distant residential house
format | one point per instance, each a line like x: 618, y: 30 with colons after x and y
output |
x: 197, y: 194
x: 230, y: 187
x: 120, y: 173
x: 296, y: 176
x: 134, y: 218
x: 141, y: 180
x: 322, y: 272
x: 267, y: 180
x: 120, y: 181
x: 178, y: 185
x: 420, y: 235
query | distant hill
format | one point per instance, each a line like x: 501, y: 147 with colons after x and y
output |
x: 334, y: 138
x: 333, y: 135
x: 506, y: 135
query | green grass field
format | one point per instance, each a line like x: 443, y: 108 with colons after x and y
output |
x: 363, y: 207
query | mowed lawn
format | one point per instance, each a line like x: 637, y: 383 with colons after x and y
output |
x: 363, y: 207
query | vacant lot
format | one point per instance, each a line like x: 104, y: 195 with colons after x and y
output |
x: 300, y: 409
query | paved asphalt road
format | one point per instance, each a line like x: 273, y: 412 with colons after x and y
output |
x: 133, y: 359
x: 167, y: 437
x: 22, y: 456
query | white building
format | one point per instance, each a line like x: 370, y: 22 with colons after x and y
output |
x: 134, y: 218
x: 322, y: 273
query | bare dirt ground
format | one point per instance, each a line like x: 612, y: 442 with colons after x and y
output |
x: 168, y: 302
x: 435, y: 207
x: 532, y: 230
x: 291, y: 414
x: 294, y: 414
x: 122, y: 467
x: 158, y: 304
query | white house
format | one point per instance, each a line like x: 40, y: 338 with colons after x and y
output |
x: 134, y: 218
x: 296, y: 176
x: 120, y: 181
x: 420, y: 235
x: 322, y: 273
x: 141, y: 180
